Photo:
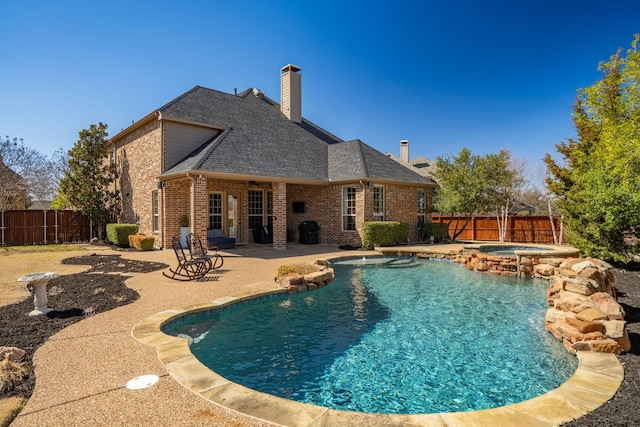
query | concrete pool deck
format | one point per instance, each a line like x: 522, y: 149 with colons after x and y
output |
x: 83, y: 370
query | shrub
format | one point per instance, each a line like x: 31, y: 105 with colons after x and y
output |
x: 11, y: 373
x: 384, y: 233
x: 118, y: 234
x: 301, y: 269
x: 439, y: 231
x: 141, y: 242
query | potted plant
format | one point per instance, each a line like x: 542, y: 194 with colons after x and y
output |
x: 233, y: 231
x: 184, y: 230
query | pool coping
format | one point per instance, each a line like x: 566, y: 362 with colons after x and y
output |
x: 594, y: 382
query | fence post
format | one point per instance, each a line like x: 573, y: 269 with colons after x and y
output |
x: 473, y: 227
x: 512, y: 226
x: 2, y: 226
x: 55, y: 227
x: 44, y: 227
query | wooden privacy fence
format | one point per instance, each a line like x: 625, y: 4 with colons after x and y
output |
x: 520, y: 229
x: 32, y: 227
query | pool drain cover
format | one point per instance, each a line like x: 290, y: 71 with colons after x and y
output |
x: 143, y: 381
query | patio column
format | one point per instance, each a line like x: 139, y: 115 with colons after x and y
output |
x: 199, y: 202
x: 279, y: 215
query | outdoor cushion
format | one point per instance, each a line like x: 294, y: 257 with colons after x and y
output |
x: 215, y: 237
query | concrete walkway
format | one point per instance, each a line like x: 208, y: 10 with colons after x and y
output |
x: 82, y: 371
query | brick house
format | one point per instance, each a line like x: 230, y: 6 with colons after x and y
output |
x: 13, y: 192
x: 239, y: 162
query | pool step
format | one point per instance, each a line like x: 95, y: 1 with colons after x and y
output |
x: 403, y: 263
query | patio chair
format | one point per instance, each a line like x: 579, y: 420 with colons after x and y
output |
x: 199, y: 252
x: 188, y: 269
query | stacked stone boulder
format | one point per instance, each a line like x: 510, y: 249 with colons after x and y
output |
x: 487, y: 263
x: 584, y: 314
x: 539, y: 266
x: 307, y: 282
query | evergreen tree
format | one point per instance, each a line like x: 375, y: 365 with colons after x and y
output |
x: 598, y: 187
x: 89, y: 181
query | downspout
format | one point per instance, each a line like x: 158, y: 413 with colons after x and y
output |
x: 192, y: 202
x: 161, y: 213
x: 161, y: 195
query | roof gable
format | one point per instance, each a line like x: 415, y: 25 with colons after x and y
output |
x: 355, y: 160
x: 258, y: 140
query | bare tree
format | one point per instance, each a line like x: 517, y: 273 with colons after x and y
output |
x: 39, y: 174
x: 538, y: 194
x: 12, y: 188
x: 508, y: 192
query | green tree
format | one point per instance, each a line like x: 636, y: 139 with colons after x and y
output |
x: 88, y: 182
x: 598, y: 185
x: 472, y: 184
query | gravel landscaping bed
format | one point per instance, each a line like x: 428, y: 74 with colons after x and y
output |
x: 72, y: 297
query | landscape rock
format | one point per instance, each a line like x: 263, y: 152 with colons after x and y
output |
x: 591, y: 314
x: 551, y: 261
x: 614, y: 328
x: 608, y: 305
x: 584, y: 326
x: 320, y: 277
x: 624, y: 342
x: 593, y: 274
x: 606, y: 345
x: 571, y: 301
x: 578, y: 267
x: 290, y: 280
x: 544, y: 269
x: 323, y: 262
x: 582, y: 286
x: 14, y: 354
x: 297, y: 288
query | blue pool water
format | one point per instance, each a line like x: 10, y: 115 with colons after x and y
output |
x: 431, y: 337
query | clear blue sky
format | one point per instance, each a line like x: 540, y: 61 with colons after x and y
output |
x: 443, y: 74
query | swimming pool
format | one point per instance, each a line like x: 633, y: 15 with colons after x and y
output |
x: 385, y: 340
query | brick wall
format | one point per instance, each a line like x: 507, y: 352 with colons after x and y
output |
x: 279, y: 213
x: 139, y: 157
x: 324, y: 205
x: 176, y: 203
x: 401, y: 204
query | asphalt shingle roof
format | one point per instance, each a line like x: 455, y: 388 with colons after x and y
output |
x: 258, y: 140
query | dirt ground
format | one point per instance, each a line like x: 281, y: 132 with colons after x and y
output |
x: 86, y: 287
x: 16, y: 263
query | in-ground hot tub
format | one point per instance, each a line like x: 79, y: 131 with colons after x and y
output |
x: 517, y: 259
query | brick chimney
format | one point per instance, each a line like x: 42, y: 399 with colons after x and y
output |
x: 404, y: 150
x: 291, y: 92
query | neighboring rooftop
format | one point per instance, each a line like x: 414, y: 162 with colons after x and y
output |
x: 420, y: 165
